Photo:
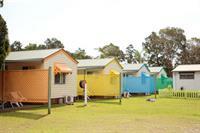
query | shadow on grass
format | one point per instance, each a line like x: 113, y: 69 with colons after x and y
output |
x: 38, y: 107
x: 107, y: 101
x: 26, y: 115
x: 81, y: 106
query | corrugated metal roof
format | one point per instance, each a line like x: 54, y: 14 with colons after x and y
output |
x: 183, y: 68
x: 132, y: 67
x: 155, y: 69
x: 33, y: 55
x: 94, y: 63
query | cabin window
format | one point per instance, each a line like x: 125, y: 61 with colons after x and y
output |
x: 89, y: 73
x: 28, y: 67
x: 60, y: 78
x: 6, y: 67
x: 186, y: 75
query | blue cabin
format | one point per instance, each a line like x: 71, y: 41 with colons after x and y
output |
x: 137, y: 79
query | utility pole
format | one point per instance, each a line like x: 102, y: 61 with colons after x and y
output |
x: 49, y: 90
x: 1, y: 3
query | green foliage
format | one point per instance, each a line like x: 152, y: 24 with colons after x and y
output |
x: 16, y: 46
x: 194, y: 51
x: 49, y: 44
x: 41, y: 46
x: 130, y: 54
x: 133, y: 56
x: 4, y: 41
x: 162, y: 49
x: 111, y: 50
x: 1, y: 3
x: 80, y: 54
x: 138, y: 56
x: 31, y: 46
x: 53, y: 43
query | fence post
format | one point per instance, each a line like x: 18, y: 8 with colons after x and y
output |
x: 49, y: 90
x: 185, y: 93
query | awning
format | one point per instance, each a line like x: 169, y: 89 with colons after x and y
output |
x: 114, y: 72
x: 61, y: 68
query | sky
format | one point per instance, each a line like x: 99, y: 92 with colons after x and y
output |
x: 90, y: 24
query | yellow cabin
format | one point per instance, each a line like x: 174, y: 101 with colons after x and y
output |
x: 102, y: 76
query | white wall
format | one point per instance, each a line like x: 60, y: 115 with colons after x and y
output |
x: 112, y: 66
x: 68, y: 89
x: 143, y: 69
x: 189, y: 84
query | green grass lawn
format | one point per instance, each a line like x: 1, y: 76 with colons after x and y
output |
x: 134, y: 115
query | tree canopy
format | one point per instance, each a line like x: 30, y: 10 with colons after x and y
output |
x: 1, y: 3
x: 16, y: 46
x: 133, y: 55
x: 31, y: 46
x: 4, y: 41
x: 129, y: 55
x: 138, y: 56
x: 193, y: 51
x: 111, y: 50
x: 166, y: 47
x: 80, y: 54
x: 48, y: 44
x: 53, y: 43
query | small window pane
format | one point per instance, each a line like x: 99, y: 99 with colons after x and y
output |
x: 88, y: 73
x: 60, y: 78
x: 64, y: 78
x: 25, y: 68
x: 57, y: 78
x: 28, y: 67
x: 186, y: 75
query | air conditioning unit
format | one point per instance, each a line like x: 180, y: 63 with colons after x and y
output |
x: 69, y: 100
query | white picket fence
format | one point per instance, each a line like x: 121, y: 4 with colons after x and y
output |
x: 170, y: 93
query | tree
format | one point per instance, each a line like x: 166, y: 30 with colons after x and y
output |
x: 31, y: 46
x: 4, y: 41
x: 49, y: 44
x: 42, y: 46
x: 166, y: 47
x: 138, y: 57
x: 16, y: 46
x: 153, y: 49
x: 111, y: 50
x: 1, y: 3
x: 194, y: 41
x: 194, y: 55
x: 53, y: 43
x: 194, y: 51
x: 80, y: 54
x: 129, y: 56
x: 121, y: 57
x: 175, y: 44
